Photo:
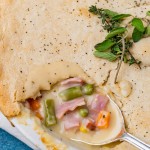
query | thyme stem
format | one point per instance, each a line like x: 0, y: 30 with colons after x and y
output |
x: 122, y: 56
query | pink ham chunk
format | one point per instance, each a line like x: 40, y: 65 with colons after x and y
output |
x: 71, y: 120
x: 69, y: 106
x: 98, y: 104
x: 72, y: 81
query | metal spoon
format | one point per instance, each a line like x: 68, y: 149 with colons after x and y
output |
x: 123, y: 135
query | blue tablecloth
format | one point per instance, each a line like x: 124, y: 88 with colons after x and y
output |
x: 8, y: 142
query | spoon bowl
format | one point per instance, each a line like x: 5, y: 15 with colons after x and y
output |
x: 121, y: 136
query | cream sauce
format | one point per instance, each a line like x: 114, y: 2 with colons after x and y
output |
x: 99, y: 135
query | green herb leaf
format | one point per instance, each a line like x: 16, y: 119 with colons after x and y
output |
x: 138, y: 24
x: 147, y: 30
x: 106, y: 55
x: 110, y: 13
x: 136, y: 35
x: 120, y: 16
x: 116, y: 50
x: 148, y: 13
x: 105, y: 45
x: 133, y: 61
x: 93, y: 9
x: 115, y: 32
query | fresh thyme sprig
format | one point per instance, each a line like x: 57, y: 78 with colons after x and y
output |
x: 121, y: 60
x: 105, y: 15
x: 116, y: 45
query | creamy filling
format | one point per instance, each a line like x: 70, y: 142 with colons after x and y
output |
x: 98, y: 135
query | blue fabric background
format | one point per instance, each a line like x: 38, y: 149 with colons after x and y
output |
x: 8, y: 142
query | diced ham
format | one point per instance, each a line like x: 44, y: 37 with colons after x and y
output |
x: 98, y: 104
x: 93, y: 114
x: 72, y: 81
x: 69, y: 106
x: 71, y: 120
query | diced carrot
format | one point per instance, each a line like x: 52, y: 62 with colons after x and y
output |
x: 34, y: 104
x: 39, y: 115
x: 102, y: 121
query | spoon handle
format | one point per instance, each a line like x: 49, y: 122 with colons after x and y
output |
x: 135, y: 141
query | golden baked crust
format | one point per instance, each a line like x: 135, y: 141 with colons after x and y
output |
x: 8, y: 107
x: 42, y: 31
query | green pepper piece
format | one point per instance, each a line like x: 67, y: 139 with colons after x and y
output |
x: 83, y: 112
x: 71, y: 93
x: 88, y: 89
x: 50, y: 117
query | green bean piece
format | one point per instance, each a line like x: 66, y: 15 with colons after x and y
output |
x: 88, y: 89
x: 71, y: 93
x: 83, y: 112
x: 50, y: 117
